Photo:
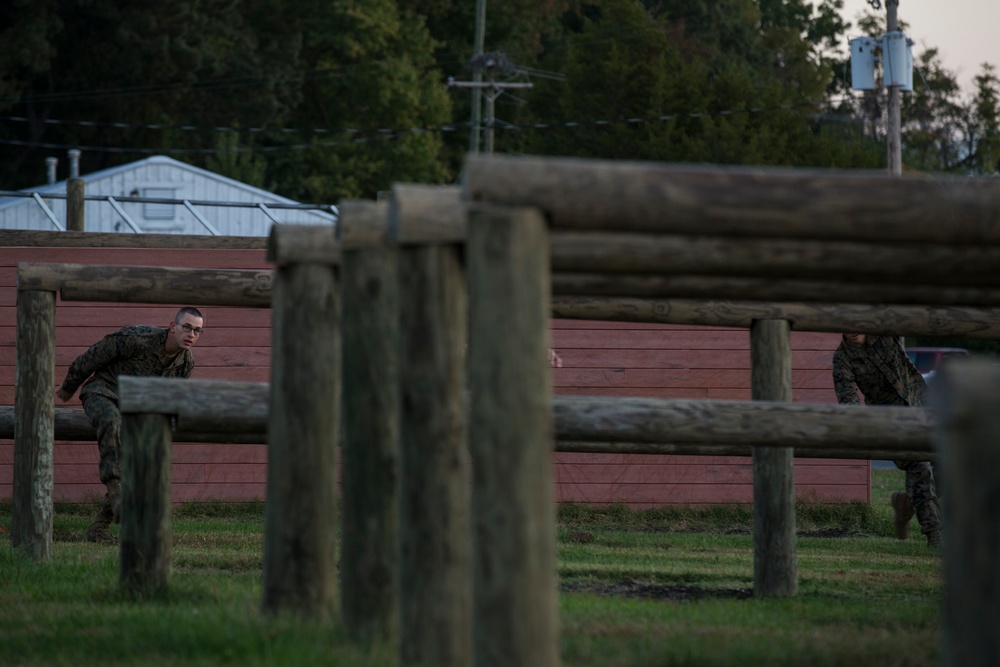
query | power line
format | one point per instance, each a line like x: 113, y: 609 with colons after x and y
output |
x: 385, y: 134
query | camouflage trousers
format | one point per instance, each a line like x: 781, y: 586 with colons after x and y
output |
x: 922, y: 491
x: 105, y: 417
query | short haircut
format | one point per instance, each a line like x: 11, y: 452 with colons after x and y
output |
x: 187, y: 310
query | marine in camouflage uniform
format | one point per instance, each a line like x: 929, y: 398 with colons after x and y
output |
x: 880, y: 369
x: 138, y: 350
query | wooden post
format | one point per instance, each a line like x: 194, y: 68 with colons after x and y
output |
x: 369, y: 561
x: 144, y: 560
x: 34, y: 415
x: 774, y: 568
x: 511, y: 440
x: 969, y: 405
x: 435, y: 530
x: 300, y: 515
x: 74, y: 205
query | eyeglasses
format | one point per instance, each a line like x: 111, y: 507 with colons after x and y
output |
x: 197, y: 331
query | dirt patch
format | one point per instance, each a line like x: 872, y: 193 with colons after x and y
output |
x: 679, y: 593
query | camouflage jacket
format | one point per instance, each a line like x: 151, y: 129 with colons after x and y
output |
x: 134, y: 350
x: 881, y: 371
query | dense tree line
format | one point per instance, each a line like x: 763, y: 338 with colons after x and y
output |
x: 336, y: 99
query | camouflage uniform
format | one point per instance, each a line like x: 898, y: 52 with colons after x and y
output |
x: 882, y: 372
x: 135, y: 350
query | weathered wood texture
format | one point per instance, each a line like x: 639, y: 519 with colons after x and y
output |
x: 978, y: 323
x: 813, y: 451
x: 145, y: 284
x: 31, y: 520
x: 842, y: 262
x: 70, y: 239
x: 369, y: 562
x: 294, y: 244
x: 145, y: 537
x: 300, y: 516
x: 739, y: 288
x: 73, y: 424
x: 362, y: 223
x: 203, y: 405
x: 427, y: 214
x: 759, y: 423
x: 774, y: 566
x: 435, y: 523
x: 75, y: 191
x: 740, y: 201
x: 511, y: 437
x: 970, y: 461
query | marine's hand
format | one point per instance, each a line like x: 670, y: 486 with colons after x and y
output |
x: 63, y: 395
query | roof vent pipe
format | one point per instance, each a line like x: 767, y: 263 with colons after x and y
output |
x: 50, y: 169
x: 74, y: 162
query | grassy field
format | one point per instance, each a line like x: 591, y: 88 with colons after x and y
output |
x: 664, y: 587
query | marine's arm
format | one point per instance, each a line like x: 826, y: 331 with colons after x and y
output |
x: 100, y: 354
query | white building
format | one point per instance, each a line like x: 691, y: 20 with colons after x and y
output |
x: 251, y: 213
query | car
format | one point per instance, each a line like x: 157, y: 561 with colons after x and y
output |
x: 928, y: 359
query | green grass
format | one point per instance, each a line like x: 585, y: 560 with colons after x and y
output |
x: 864, y: 598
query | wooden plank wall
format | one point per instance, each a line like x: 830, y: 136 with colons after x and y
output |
x: 667, y: 361
x: 235, y: 346
x: 599, y: 359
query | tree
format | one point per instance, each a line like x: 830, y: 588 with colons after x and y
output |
x: 690, y: 80
x: 983, y: 130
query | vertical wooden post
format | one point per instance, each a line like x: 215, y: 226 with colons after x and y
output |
x: 144, y: 559
x: 300, y: 514
x: 369, y: 561
x: 774, y: 567
x: 968, y: 398
x: 74, y: 204
x: 511, y: 438
x: 34, y: 424
x: 435, y: 530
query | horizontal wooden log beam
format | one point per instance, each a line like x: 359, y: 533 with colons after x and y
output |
x: 149, y: 284
x: 303, y: 244
x: 840, y: 261
x: 750, y: 423
x: 46, y: 239
x: 427, y: 214
x: 977, y: 323
x: 198, y: 405
x: 661, y: 448
x: 741, y: 201
x: 71, y: 424
x: 738, y: 288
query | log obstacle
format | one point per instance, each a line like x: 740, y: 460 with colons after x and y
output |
x: 369, y: 560
x: 71, y: 424
x: 628, y: 224
x: 31, y: 518
x: 142, y: 284
x: 969, y: 403
x: 304, y: 429
x: 34, y: 414
x: 825, y: 205
x: 511, y: 436
x: 775, y: 573
x: 149, y: 406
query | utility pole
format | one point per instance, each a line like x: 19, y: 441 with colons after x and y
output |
x: 894, y: 130
x: 492, y: 88
x: 479, y: 40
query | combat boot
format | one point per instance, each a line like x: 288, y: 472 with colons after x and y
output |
x: 934, y: 539
x: 98, y: 531
x: 903, y: 507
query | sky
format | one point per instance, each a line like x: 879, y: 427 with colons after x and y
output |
x: 965, y: 32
